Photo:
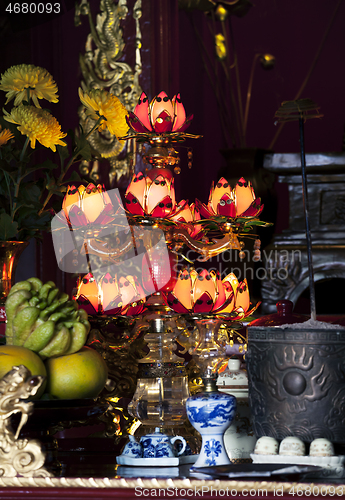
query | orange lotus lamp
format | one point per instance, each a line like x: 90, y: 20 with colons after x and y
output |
x: 110, y: 295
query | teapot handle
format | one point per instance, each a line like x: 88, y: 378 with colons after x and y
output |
x: 184, y: 444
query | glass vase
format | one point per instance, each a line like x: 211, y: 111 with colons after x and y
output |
x: 10, y: 251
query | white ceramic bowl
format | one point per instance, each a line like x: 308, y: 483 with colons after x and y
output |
x: 266, y: 445
x: 321, y: 447
x: 292, y: 446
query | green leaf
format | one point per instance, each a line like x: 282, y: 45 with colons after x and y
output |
x: 82, y: 148
x: 46, y: 165
x: 8, y: 229
x: 75, y: 177
x: 63, y: 152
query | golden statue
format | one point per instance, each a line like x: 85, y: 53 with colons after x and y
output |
x: 19, y: 457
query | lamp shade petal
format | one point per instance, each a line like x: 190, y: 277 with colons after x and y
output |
x: 71, y: 198
x: 134, y: 123
x: 182, y: 290
x: 77, y: 217
x: 160, y: 194
x: 88, y: 294
x: 161, y: 103
x: 218, y: 192
x: 175, y: 304
x: 204, y: 211
x: 133, y: 205
x: 244, y: 195
x: 254, y: 210
x: 179, y: 113
x: 109, y: 290
x: 205, y: 283
x: 142, y: 111
x: 203, y: 304
x: 185, y: 124
x: 163, y: 123
x: 242, y: 296
x: 226, y: 206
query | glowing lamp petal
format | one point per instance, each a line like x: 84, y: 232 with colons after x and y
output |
x: 203, y: 304
x: 230, y: 283
x: 175, y: 304
x: 203, y: 210
x: 134, y: 123
x: 244, y: 195
x: 88, y: 288
x: 182, y: 212
x: 105, y: 216
x: 185, y: 125
x: 109, y: 290
x: 157, y: 193
x: 226, y: 206
x: 137, y: 187
x: 179, y: 111
x: 92, y: 202
x: 182, y: 290
x: 84, y: 303
x: 229, y: 301
x: 132, y: 205
x: 71, y: 198
x: 163, y: 123
x: 77, y: 217
x: 127, y: 291
x: 114, y: 307
x: 205, y: 283
x: 142, y: 111
x: 159, y: 270
x: 242, y: 296
x: 254, y: 210
x: 161, y: 103
x: 163, y: 209
x: 221, y: 296
x: 221, y: 191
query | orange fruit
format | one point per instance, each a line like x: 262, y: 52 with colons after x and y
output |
x: 76, y: 376
x: 11, y: 355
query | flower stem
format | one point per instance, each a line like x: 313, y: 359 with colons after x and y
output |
x: 25, y: 147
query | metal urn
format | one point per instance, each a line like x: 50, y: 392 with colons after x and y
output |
x: 297, y: 381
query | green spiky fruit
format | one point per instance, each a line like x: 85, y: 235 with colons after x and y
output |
x: 44, y: 320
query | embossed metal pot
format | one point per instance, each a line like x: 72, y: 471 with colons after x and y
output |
x: 297, y: 382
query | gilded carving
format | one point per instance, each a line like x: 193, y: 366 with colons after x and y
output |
x: 103, y: 67
x: 19, y: 457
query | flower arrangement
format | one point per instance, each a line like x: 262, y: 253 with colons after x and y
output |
x: 27, y: 188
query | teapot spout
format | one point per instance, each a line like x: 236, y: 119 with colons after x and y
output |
x: 132, y: 438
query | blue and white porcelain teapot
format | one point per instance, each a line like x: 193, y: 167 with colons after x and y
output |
x: 155, y: 445
x: 159, y: 445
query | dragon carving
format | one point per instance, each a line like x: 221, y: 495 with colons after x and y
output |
x: 19, y: 457
x: 103, y: 67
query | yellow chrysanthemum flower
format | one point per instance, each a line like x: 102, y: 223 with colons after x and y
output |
x: 22, y: 79
x: 101, y: 103
x: 37, y: 124
x: 5, y: 136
